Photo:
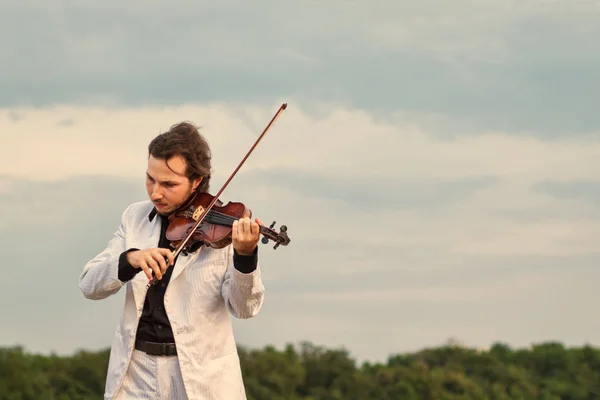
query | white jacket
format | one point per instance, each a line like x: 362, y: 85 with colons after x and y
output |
x: 203, y: 291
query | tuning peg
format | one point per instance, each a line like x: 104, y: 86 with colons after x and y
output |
x: 272, y: 225
x: 283, y: 228
x: 265, y: 240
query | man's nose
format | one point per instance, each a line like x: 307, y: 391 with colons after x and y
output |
x: 156, y: 192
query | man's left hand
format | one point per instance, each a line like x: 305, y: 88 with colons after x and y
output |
x: 245, y: 235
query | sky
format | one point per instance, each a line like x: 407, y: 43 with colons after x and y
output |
x: 437, y: 165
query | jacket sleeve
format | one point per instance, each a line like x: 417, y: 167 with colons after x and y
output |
x: 100, y: 278
x: 243, y: 292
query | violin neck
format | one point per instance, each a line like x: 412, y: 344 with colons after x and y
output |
x: 217, y: 218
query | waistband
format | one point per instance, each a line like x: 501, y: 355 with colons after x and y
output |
x: 156, y: 349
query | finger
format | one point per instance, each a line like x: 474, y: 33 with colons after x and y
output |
x: 160, y: 259
x: 254, y: 229
x: 146, y: 270
x: 241, y: 227
x: 234, y: 229
x: 154, y: 265
x: 259, y: 222
x: 167, y: 253
x: 247, y: 225
x: 171, y: 257
x: 163, y: 263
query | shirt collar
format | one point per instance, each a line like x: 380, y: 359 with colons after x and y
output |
x: 152, y: 214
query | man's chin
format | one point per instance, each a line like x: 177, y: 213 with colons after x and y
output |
x: 164, y: 211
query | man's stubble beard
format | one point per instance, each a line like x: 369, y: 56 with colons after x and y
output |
x: 189, y: 193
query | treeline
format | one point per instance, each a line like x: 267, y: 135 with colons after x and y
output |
x: 547, y: 371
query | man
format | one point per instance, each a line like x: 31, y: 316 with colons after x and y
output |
x: 175, y: 339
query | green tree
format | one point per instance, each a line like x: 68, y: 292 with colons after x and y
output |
x: 546, y: 371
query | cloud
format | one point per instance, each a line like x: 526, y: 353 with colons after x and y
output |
x: 417, y: 188
x: 393, y: 228
x: 341, y: 142
x: 495, y: 64
x: 368, y: 192
x: 588, y: 191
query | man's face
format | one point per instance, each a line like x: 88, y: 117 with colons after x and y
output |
x: 168, y: 188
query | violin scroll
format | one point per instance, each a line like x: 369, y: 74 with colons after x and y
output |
x: 281, y: 237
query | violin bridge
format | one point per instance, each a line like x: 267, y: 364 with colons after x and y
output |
x: 197, y: 213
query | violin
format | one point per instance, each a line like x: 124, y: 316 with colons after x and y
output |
x: 204, y: 217
x: 215, y: 229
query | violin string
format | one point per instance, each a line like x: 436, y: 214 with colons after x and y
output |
x: 218, y: 217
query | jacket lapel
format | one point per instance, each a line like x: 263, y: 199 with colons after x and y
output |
x: 182, y: 262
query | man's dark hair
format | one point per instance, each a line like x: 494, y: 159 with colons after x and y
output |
x: 184, y: 139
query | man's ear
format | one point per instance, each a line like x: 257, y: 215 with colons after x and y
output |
x: 197, y: 183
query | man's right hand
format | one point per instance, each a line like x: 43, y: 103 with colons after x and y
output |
x: 151, y: 260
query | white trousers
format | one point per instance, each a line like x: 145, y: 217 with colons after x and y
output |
x: 152, y: 377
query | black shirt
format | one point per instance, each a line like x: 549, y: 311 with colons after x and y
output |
x: 154, y: 325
